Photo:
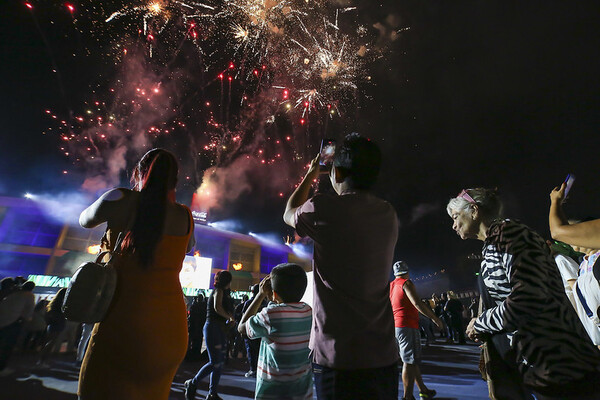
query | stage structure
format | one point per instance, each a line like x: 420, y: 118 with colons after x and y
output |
x: 43, y: 239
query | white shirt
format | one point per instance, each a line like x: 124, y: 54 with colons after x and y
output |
x: 568, y: 271
x: 590, y: 291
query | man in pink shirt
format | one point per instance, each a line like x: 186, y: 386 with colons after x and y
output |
x: 406, y: 306
x: 352, y: 340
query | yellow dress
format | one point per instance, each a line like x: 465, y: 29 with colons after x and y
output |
x: 135, y: 352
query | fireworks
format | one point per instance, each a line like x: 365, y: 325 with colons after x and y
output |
x: 223, y: 76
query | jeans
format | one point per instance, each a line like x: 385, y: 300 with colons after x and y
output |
x: 365, y: 384
x: 252, y: 349
x: 503, y: 378
x: 86, y: 332
x: 456, y: 328
x: 215, y: 346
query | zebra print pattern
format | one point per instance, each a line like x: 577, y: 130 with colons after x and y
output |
x: 523, y: 279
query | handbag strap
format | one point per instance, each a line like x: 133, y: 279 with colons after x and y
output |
x: 587, y: 309
x: 120, y: 237
x: 117, y: 249
x: 101, y: 256
x: 119, y: 242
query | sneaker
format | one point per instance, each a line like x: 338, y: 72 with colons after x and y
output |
x: 189, y: 391
x: 429, y: 394
x: 250, y: 374
x: 213, y: 396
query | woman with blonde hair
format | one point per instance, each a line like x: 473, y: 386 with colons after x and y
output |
x: 136, y: 350
x: 534, y: 338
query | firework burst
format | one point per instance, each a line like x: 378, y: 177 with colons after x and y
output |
x: 233, y: 78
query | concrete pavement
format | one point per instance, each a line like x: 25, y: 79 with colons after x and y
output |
x: 449, y: 369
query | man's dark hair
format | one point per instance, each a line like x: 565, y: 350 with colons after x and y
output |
x: 28, y: 286
x: 360, y: 159
x: 289, y: 281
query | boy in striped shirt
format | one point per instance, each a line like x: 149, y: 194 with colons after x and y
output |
x: 284, y: 368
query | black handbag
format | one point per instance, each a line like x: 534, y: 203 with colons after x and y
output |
x: 92, y: 288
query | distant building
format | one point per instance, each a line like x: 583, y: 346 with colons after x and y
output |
x: 33, y: 242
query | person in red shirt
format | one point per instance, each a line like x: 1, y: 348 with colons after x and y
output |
x: 406, y: 306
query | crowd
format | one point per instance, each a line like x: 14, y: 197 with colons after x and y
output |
x: 536, y: 318
x: 33, y: 328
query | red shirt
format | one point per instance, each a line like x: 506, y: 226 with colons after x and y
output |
x: 406, y: 314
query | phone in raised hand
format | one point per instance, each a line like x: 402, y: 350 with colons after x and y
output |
x: 327, y: 152
x: 569, y: 184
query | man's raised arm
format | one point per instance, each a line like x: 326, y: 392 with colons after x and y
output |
x: 301, y: 193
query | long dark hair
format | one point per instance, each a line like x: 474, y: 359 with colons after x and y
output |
x: 154, y: 177
x: 222, y: 279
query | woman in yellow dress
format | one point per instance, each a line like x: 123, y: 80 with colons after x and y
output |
x: 135, y: 351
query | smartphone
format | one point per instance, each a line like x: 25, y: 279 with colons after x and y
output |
x: 569, y: 182
x: 327, y: 152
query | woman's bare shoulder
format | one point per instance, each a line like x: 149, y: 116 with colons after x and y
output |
x: 177, y: 222
x: 104, y: 209
x: 118, y: 194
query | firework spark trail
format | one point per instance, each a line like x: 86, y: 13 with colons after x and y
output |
x: 201, y: 5
x: 293, y: 49
x: 300, y: 44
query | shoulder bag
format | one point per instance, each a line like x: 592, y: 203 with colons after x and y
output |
x: 92, y: 288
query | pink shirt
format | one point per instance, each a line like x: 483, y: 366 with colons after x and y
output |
x: 355, y: 235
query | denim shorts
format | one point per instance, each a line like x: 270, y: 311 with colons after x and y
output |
x: 409, y: 345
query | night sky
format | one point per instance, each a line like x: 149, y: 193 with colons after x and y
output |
x: 496, y: 93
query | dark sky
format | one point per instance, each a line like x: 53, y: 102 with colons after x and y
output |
x: 477, y: 93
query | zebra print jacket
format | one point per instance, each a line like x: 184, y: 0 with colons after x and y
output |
x: 522, y: 278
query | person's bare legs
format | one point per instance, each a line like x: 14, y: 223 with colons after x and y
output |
x: 419, y: 380
x: 411, y: 373
x: 408, y: 379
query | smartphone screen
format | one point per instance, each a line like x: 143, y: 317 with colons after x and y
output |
x: 327, y: 152
x: 569, y: 182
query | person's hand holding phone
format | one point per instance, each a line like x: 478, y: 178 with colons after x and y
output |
x: 327, y: 152
x: 557, y: 194
x: 314, y: 168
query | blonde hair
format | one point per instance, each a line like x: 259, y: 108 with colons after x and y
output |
x: 487, y: 201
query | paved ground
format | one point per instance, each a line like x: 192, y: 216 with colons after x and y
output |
x: 449, y: 369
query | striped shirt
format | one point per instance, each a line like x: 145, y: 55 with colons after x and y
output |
x: 284, y: 368
x: 523, y: 280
